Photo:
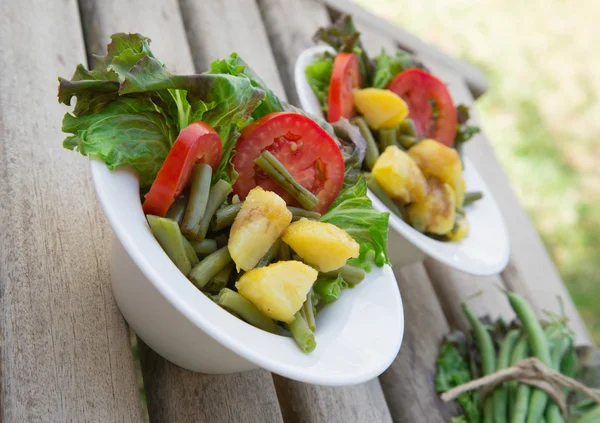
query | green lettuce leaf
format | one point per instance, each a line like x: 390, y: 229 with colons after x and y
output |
x: 352, y: 211
x: 318, y: 76
x: 388, y: 66
x: 328, y: 289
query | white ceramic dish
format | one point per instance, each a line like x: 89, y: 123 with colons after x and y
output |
x: 484, y: 252
x: 357, y: 337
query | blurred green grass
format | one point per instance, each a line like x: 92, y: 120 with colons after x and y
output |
x: 541, y: 113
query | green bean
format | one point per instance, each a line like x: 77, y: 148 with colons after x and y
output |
x: 592, y: 416
x: 298, y: 213
x: 177, y: 210
x: 519, y: 393
x: 372, y: 152
x: 381, y: 194
x: 225, y: 216
x: 407, y: 127
x: 218, y: 194
x: 207, y: 269
x: 222, y: 240
x: 168, y: 235
x: 190, y: 252
x: 488, y: 355
x: 539, y: 348
x: 304, y: 337
x: 269, y: 255
x: 353, y: 275
x: 568, y: 365
x: 471, y: 197
x: 553, y: 414
x: 234, y: 302
x: 407, y: 141
x: 220, y: 280
x: 205, y: 247
x: 196, y: 205
x: 387, y: 138
x: 501, y: 394
x: 308, y: 312
x: 277, y: 171
x: 284, y: 253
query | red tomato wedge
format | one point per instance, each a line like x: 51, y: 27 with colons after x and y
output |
x: 196, y: 143
x: 344, y: 79
x: 308, y: 152
x: 418, y: 88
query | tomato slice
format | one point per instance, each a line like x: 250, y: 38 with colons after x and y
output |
x: 418, y: 88
x: 344, y: 79
x: 196, y: 143
x: 308, y: 152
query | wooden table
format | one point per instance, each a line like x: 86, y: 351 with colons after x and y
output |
x: 66, y: 350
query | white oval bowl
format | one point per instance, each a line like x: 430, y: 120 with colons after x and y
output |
x: 358, y: 336
x: 484, y: 252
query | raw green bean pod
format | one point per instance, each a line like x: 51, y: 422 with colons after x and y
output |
x: 501, y: 392
x: 519, y: 392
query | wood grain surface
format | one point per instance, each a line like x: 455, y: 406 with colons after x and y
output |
x: 65, y: 348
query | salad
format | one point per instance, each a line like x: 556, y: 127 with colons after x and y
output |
x: 413, y: 130
x: 260, y: 206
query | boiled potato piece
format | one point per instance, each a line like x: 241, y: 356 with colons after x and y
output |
x: 381, y: 108
x: 436, y: 213
x: 278, y: 290
x: 260, y: 222
x: 460, y: 230
x: 435, y: 159
x: 399, y: 176
x: 320, y: 244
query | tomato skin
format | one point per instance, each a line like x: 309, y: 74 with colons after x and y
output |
x: 196, y: 143
x: 306, y: 150
x: 417, y: 87
x: 344, y: 79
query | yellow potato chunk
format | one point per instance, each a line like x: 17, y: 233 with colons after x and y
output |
x: 399, y: 176
x: 460, y: 230
x: 320, y: 244
x: 260, y: 222
x: 278, y: 290
x: 437, y: 212
x: 435, y: 159
x: 381, y: 108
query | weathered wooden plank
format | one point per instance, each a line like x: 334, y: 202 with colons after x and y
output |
x: 175, y: 394
x: 474, y: 77
x: 217, y: 28
x: 65, y: 348
x: 408, y: 383
x: 290, y: 26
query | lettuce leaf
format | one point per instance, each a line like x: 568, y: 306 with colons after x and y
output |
x: 388, y: 66
x: 328, y: 289
x: 318, y: 76
x: 352, y: 211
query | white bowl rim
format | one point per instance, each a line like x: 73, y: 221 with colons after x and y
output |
x: 200, y: 314
x: 428, y: 245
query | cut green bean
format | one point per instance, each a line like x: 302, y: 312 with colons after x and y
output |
x: 277, y: 171
x: 519, y: 393
x: 304, y: 337
x: 284, y: 253
x: 205, y: 247
x: 196, y: 206
x: 488, y: 356
x: 353, y: 275
x: 298, y: 213
x: 168, y: 235
x: 225, y: 216
x: 177, y: 210
x: 221, y: 279
x: 269, y: 255
x: 372, y: 152
x: 501, y: 392
x: 190, y: 252
x: 407, y: 127
x: 387, y: 138
x: 235, y: 303
x: 208, y: 268
x: 308, y: 312
x: 539, y: 348
x: 222, y: 240
x: 407, y: 141
x: 471, y: 197
x: 218, y: 195
x: 381, y: 194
